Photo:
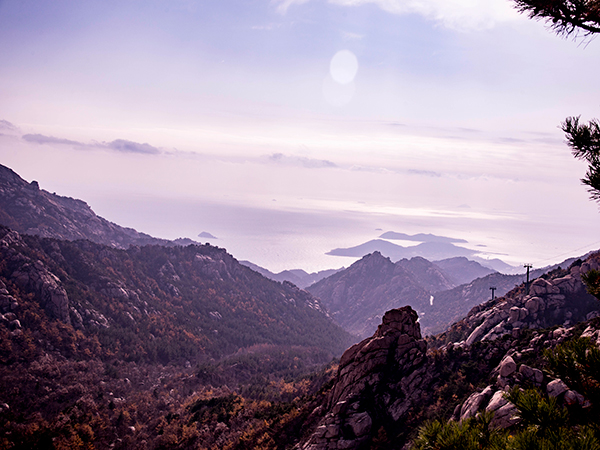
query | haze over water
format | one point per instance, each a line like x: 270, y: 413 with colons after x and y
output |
x: 289, y: 128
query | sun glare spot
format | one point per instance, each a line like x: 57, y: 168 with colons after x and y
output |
x: 343, y: 67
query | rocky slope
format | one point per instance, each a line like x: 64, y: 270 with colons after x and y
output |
x: 378, y: 382
x: 452, y: 305
x: 389, y: 384
x: 26, y: 208
x: 94, y: 345
x: 428, y: 275
x: 558, y: 297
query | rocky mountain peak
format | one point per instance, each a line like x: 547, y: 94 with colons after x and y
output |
x: 379, y: 381
x: 375, y: 259
x: 400, y: 321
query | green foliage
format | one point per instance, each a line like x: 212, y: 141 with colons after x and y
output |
x: 119, y: 377
x: 577, y: 362
x: 165, y: 305
x: 544, y: 426
x: 544, y: 423
x: 470, y: 434
x: 591, y: 279
x: 219, y: 409
x: 541, y: 414
x: 584, y: 140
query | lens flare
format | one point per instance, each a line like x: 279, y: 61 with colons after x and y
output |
x: 343, y: 67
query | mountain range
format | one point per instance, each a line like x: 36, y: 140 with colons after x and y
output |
x: 299, y: 277
x: 128, y: 288
x: 357, y: 297
x: 487, y: 374
x: 110, y: 338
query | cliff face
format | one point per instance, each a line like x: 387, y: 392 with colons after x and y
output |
x: 378, y: 383
x: 26, y: 208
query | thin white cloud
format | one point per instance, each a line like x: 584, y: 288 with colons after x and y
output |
x: 309, y: 163
x: 349, y: 36
x: 454, y: 14
x: 41, y: 139
x: 119, y: 145
x: 125, y: 146
x: 283, y: 5
x: 268, y: 27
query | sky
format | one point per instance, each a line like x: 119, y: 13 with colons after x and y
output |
x: 287, y: 128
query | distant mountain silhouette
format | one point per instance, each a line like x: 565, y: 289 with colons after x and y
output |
x: 420, y: 237
x: 207, y: 235
x: 358, y: 297
x: 299, y: 277
x: 462, y: 270
x: 427, y: 250
x: 427, y: 274
x: 438, y: 248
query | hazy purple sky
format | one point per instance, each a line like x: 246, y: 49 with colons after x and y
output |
x: 288, y: 128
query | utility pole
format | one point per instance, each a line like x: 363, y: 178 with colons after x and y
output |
x: 527, y: 266
x: 493, y: 289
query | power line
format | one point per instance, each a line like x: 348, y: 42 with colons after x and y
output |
x: 538, y: 263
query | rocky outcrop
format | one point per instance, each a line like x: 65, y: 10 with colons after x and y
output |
x: 511, y: 373
x: 379, y: 380
x: 34, y: 277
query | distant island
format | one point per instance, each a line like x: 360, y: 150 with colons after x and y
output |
x: 207, y: 235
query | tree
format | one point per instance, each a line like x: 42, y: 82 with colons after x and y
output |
x: 568, y: 17
x: 571, y: 17
x: 584, y: 140
x: 565, y: 16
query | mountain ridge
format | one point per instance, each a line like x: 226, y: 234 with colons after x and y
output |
x: 26, y: 208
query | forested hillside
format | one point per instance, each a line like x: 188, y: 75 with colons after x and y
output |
x: 161, y: 304
x: 98, y: 344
